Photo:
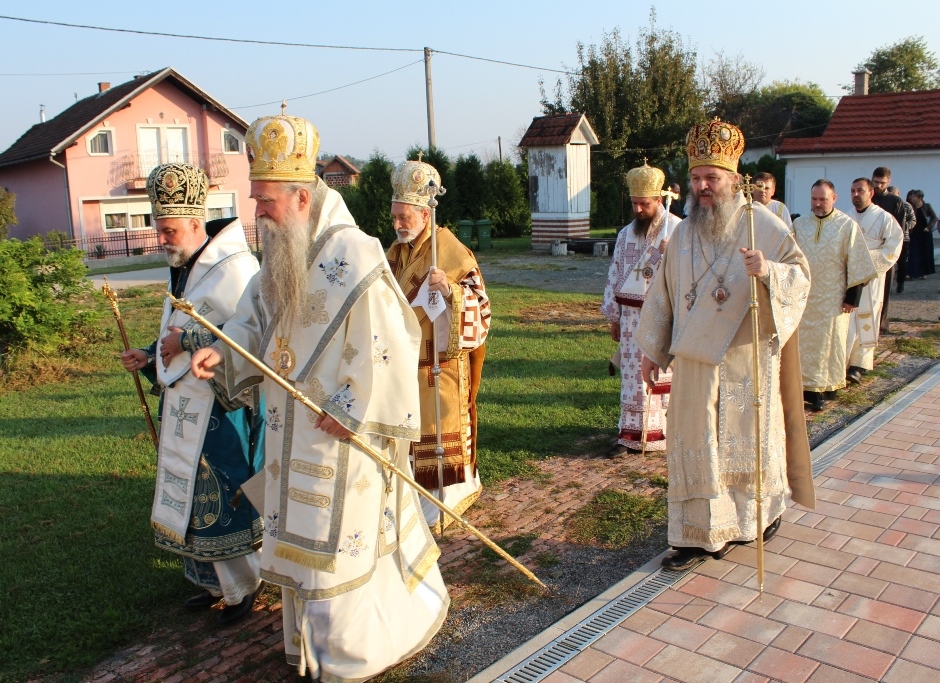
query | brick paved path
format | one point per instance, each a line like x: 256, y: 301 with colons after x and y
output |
x: 852, y: 589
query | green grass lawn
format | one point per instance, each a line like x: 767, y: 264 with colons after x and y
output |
x: 81, y: 577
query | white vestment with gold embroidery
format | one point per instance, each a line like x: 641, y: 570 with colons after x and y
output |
x: 218, y: 278
x: 711, y: 435
x: 883, y: 236
x: 345, y: 539
x: 838, y: 259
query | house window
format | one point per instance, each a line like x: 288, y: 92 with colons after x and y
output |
x: 140, y: 220
x: 231, y: 142
x: 115, y: 221
x: 100, y: 143
x: 220, y: 205
x: 126, y: 214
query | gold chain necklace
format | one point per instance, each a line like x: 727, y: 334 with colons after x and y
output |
x: 720, y: 293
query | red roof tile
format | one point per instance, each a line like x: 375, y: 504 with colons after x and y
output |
x: 550, y: 130
x: 882, y: 122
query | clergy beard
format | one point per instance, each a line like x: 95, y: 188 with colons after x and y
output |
x: 713, y: 223
x: 177, y: 257
x: 284, y: 266
x: 641, y: 226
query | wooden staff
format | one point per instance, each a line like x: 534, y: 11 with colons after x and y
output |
x: 432, y: 190
x: 187, y: 308
x: 747, y: 188
x: 646, y: 421
x: 112, y: 299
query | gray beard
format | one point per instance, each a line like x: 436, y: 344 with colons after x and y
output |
x: 177, y: 257
x: 713, y: 223
x: 284, y: 267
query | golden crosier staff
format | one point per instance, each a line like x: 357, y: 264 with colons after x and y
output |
x: 112, y: 300
x: 748, y: 189
x: 432, y: 191
x: 187, y: 308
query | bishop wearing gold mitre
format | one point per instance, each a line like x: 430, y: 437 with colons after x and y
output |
x: 696, y: 322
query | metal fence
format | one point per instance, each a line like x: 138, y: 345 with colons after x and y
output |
x: 120, y: 243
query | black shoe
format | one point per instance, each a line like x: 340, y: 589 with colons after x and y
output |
x: 683, y: 558
x: 204, y: 600
x: 233, y: 613
x: 854, y: 374
x: 901, y: 289
x: 830, y: 395
x: 815, y: 400
x: 771, y: 531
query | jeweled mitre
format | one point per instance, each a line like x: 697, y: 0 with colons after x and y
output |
x: 409, y: 178
x: 715, y: 143
x: 178, y: 191
x: 645, y: 181
x: 282, y: 148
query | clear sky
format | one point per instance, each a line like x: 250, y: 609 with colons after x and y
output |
x: 475, y: 102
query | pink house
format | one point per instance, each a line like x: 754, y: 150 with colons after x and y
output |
x: 84, y: 172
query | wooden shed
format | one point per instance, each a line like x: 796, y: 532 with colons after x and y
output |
x: 559, y: 151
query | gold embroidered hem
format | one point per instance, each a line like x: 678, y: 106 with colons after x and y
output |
x: 305, y: 558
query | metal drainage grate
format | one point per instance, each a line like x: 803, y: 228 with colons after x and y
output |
x: 551, y: 657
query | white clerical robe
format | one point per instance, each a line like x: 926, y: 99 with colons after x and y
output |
x: 780, y: 210
x: 838, y: 259
x: 344, y: 538
x: 707, y: 339
x: 884, y: 237
x: 633, y: 266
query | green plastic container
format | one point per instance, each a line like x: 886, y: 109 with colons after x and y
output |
x: 484, y: 234
x: 465, y: 232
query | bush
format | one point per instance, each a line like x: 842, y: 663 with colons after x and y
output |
x: 40, y: 291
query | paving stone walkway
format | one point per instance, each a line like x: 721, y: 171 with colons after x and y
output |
x: 852, y: 589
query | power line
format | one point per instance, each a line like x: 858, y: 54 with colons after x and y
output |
x: 210, y: 38
x: 273, y: 42
x: 499, y: 61
x: 323, y: 92
x: 80, y: 73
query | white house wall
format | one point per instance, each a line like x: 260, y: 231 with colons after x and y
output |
x: 579, y: 179
x: 909, y: 171
x: 548, y: 180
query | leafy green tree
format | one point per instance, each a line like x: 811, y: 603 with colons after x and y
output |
x: 467, y: 191
x: 505, y: 200
x: 7, y: 213
x: 906, y: 65
x: 370, y: 200
x: 41, y: 290
x: 641, y: 102
x: 782, y: 109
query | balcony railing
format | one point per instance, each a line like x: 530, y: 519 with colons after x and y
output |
x: 132, y: 170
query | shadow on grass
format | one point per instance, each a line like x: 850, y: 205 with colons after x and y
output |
x: 81, y: 576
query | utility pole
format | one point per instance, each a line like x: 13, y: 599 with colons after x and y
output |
x: 499, y: 141
x: 432, y: 143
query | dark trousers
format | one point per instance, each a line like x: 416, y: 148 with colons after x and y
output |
x: 883, y: 323
x: 901, y: 265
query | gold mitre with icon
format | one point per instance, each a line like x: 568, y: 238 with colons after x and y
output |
x: 645, y: 181
x: 282, y: 148
x: 715, y: 143
x: 178, y: 191
x: 409, y: 179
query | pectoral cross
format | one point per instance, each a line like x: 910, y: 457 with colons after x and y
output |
x: 182, y: 416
